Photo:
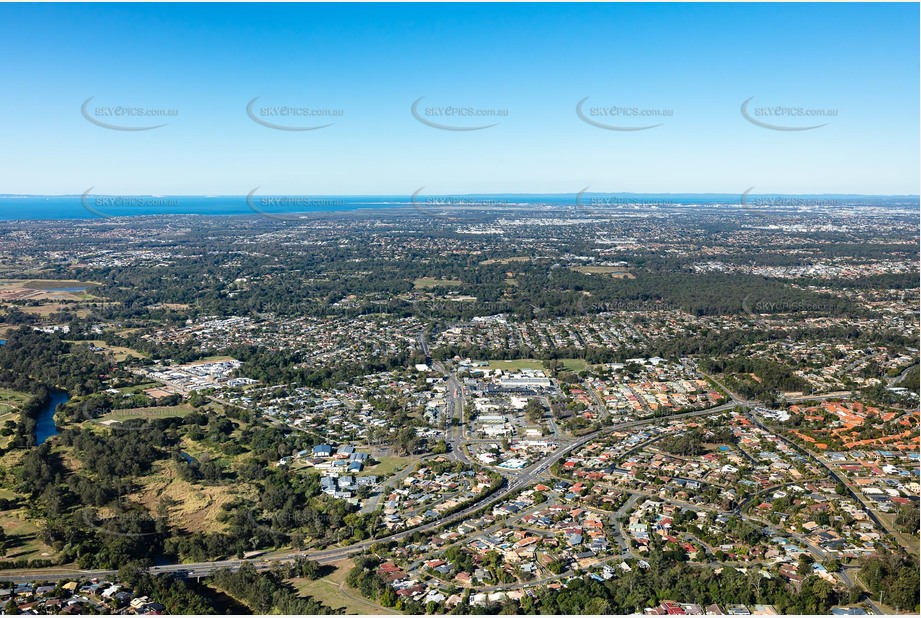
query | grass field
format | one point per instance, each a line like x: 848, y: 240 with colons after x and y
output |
x: 145, y: 413
x: 46, y: 284
x: 48, y: 308
x: 138, y: 388
x: 119, y: 353
x: 11, y: 401
x: 203, y: 450
x: 516, y: 365
x: 332, y: 591
x: 22, y: 538
x: 617, y: 272
x: 4, y: 417
x: 195, y: 508
x: 50, y: 290
x: 572, y: 364
x: 427, y: 283
x: 510, y: 260
x: 389, y: 466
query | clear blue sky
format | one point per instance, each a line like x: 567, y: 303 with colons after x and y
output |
x: 537, y: 61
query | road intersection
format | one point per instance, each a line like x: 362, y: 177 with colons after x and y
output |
x: 457, y: 438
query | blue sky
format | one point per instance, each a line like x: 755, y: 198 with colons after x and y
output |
x: 698, y: 61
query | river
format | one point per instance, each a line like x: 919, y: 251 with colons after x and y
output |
x: 45, y: 427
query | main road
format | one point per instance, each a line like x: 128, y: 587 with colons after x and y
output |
x: 510, y: 487
x: 526, y: 477
x: 454, y: 409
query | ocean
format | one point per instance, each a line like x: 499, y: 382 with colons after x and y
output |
x: 31, y: 207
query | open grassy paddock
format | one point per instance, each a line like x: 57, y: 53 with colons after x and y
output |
x: 23, y: 542
x: 617, y: 272
x: 331, y: 590
x: 426, y: 283
x: 572, y: 364
x: 119, y: 416
x: 11, y: 401
x: 388, y: 466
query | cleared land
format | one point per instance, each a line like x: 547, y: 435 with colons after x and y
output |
x: 138, y: 388
x: 388, y: 465
x: 332, y: 591
x: 516, y: 365
x: 615, y: 271
x: 509, y: 260
x: 425, y: 283
x: 11, y: 401
x: 118, y: 352
x: 47, y: 309
x: 23, y: 542
x: 194, y: 508
x: 45, y: 289
x: 572, y: 364
x: 46, y: 284
x: 119, y: 416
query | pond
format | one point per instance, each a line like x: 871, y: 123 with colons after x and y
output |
x: 45, y: 427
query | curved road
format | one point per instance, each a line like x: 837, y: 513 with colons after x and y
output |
x: 527, y: 476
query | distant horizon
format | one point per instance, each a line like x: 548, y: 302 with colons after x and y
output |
x: 20, y: 207
x: 462, y: 194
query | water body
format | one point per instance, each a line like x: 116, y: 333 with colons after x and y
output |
x: 37, y: 207
x: 45, y: 427
x: 75, y: 289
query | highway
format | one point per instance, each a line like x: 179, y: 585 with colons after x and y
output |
x: 525, y: 478
x: 455, y: 436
